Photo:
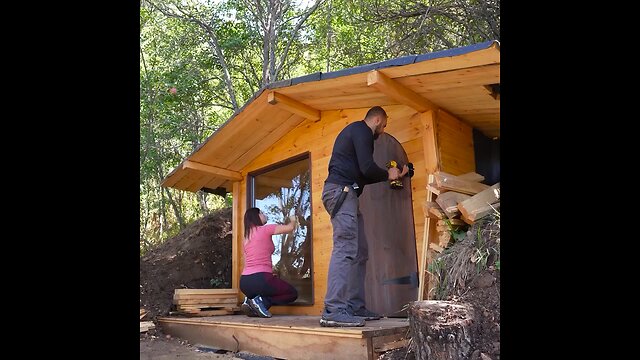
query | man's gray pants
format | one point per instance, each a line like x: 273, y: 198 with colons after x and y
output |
x: 347, y: 267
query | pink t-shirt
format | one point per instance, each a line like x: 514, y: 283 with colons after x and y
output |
x: 257, y: 252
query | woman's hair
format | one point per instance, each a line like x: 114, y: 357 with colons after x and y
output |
x: 251, y: 220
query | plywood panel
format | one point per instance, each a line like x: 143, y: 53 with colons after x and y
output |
x: 389, y: 229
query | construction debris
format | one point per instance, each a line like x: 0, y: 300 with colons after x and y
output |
x: 459, y: 201
x: 146, y: 326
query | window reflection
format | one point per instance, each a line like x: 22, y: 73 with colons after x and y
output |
x: 279, y: 193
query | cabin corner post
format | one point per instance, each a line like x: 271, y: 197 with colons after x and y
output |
x: 428, y: 120
x: 236, y: 237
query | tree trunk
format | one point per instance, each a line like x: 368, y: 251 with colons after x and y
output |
x: 202, y: 200
x: 176, y: 211
x: 442, y: 329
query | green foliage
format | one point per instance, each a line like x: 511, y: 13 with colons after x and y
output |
x: 216, y: 283
x: 437, y: 268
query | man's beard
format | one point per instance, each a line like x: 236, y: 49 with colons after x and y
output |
x: 376, y: 136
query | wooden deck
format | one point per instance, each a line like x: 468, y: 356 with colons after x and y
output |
x: 289, y: 336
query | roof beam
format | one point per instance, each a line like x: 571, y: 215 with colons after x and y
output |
x: 212, y: 170
x: 293, y: 106
x: 398, y: 92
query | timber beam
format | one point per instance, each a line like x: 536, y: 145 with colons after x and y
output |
x: 213, y: 170
x: 399, y: 92
x: 293, y: 106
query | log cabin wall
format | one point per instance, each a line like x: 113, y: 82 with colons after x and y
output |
x: 317, y: 138
x: 455, y: 142
x: 454, y: 154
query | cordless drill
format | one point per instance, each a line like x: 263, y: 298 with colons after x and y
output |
x: 397, y: 183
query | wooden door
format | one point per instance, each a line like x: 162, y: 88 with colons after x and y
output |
x: 392, y: 269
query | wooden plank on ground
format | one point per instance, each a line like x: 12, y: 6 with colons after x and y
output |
x: 451, y: 182
x: 205, y: 291
x: 477, y: 205
x: 206, y: 301
x: 146, y: 326
x: 203, y: 296
x: 482, y: 212
x: 449, y: 202
x: 207, y: 312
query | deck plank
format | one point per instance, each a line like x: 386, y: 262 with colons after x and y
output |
x: 283, y: 336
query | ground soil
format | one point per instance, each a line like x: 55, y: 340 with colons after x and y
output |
x: 200, y: 257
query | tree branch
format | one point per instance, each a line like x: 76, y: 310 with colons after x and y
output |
x: 284, y: 54
x: 213, y: 42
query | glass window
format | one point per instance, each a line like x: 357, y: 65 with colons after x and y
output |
x: 280, y: 191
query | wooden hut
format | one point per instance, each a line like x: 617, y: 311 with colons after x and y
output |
x: 443, y: 108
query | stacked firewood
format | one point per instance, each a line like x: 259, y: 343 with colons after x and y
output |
x: 459, y: 201
x: 206, y: 302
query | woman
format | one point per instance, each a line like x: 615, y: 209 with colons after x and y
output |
x: 257, y: 282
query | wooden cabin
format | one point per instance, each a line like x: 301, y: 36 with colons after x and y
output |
x: 443, y: 109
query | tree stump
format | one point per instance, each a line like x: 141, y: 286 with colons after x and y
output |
x: 442, y: 329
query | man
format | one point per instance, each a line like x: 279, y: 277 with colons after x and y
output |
x: 351, y: 167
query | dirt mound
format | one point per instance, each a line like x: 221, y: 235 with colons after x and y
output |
x: 199, y: 257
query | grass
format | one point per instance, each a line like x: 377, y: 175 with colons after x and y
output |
x: 474, y: 253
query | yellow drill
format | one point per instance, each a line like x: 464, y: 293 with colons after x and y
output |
x: 397, y: 183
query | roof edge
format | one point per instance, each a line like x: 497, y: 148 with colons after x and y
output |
x: 318, y: 76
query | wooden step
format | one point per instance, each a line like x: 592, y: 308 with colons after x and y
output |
x: 289, y: 336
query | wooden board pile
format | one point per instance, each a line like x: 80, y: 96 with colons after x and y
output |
x: 459, y: 201
x: 206, y: 302
x: 145, y: 325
